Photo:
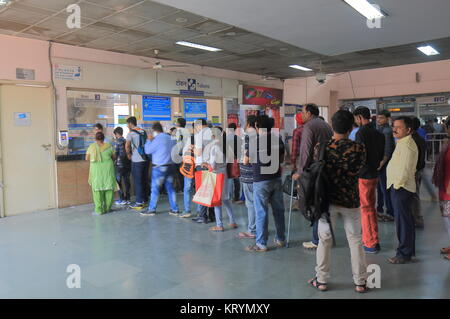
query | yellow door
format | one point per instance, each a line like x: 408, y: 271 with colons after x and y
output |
x: 27, y: 149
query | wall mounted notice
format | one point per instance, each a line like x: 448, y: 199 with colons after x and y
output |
x: 195, y: 109
x: 22, y: 119
x: 25, y: 74
x: 156, y: 108
x: 67, y: 72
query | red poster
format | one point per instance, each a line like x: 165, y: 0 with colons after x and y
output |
x: 258, y: 95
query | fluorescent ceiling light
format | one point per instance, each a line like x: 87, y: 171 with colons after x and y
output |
x: 366, y: 9
x: 428, y: 50
x: 299, y: 67
x: 198, y: 46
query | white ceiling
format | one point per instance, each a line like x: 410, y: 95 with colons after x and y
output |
x: 328, y: 27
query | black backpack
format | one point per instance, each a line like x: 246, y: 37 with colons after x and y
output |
x: 312, y: 189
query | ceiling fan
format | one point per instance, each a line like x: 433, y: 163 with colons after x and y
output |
x: 158, y: 65
x: 266, y: 77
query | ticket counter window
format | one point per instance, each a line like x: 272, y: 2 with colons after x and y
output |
x: 85, y: 109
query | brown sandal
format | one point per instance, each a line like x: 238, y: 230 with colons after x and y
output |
x: 233, y: 226
x: 246, y: 235
x: 216, y: 229
x: 361, y: 288
x: 445, y: 250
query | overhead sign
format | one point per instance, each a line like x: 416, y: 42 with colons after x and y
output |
x: 195, y: 109
x: 188, y: 85
x: 258, y: 95
x: 67, y: 72
x: 156, y: 108
x: 432, y: 100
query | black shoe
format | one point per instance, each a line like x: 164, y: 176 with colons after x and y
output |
x: 200, y: 220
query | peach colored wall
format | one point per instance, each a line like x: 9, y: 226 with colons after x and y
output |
x: 23, y: 53
x: 33, y: 54
x: 383, y: 82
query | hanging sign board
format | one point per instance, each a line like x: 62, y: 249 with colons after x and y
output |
x: 258, y: 95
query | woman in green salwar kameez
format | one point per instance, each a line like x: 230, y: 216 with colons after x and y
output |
x: 101, y: 174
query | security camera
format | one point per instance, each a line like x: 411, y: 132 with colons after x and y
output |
x: 321, y: 77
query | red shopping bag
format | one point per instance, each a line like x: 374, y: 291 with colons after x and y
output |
x: 209, y: 188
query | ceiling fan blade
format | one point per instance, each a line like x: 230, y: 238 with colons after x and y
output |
x: 145, y: 61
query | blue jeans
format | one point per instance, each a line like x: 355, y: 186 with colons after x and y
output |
x: 163, y: 175
x: 187, y: 195
x: 218, y: 212
x: 202, y: 211
x: 248, y: 193
x: 265, y: 193
x: 139, y: 171
x: 315, y: 240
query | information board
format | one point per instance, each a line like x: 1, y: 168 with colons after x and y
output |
x: 195, y: 109
x: 156, y: 108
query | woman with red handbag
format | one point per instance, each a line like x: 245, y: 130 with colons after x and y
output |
x: 214, y: 159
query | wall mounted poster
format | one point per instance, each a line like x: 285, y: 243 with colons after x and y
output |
x: 156, y: 108
x: 258, y: 95
x: 195, y: 109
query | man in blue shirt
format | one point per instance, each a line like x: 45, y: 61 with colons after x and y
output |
x: 159, y: 145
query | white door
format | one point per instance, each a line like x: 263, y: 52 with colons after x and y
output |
x: 28, y: 165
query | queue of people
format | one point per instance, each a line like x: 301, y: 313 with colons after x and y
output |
x: 374, y: 175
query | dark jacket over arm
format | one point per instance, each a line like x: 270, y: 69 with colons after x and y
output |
x: 314, y: 131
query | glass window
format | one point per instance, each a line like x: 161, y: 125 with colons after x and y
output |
x: 85, y: 109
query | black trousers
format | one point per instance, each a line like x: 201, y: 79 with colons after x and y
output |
x: 123, y: 179
x: 237, y: 189
x: 404, y: 222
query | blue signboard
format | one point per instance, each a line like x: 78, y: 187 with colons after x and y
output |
x: 156, y: 108
x: 195, y: 109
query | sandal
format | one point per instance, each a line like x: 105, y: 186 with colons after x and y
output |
x: 255, y: 248
x: 318, y: 285
x: 246, y: 235
x: 447, y: 257
x: 398, y: 260
x: 445, y: 251
x: 233, y: 225
x: 361, y: 288
x: 216, y: 228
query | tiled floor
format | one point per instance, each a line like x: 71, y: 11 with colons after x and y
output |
x: 125, y: 255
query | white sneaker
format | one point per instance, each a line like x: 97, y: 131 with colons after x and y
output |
x: 309, y: 245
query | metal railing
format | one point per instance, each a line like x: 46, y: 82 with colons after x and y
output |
x: 435, y: 142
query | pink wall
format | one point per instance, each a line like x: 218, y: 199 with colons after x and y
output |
x: 23, y: 53
x: 383, y: 82
x: 33, y: 54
